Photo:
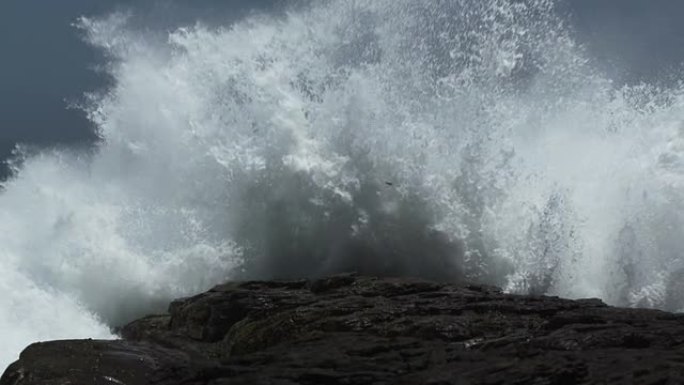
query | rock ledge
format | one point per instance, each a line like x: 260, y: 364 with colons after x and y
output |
x: 351, y: 330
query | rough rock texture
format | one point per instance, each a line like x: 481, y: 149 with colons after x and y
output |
x: 360, y: 330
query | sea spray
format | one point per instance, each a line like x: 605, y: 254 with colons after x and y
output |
x: 455, y: 140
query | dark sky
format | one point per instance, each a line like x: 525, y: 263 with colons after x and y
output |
x: 45, y: 65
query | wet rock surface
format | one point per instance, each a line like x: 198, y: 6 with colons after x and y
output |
x: 360, y: 330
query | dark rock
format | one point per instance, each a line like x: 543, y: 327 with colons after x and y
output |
x: 359, y: 330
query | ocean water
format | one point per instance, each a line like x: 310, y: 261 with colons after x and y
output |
x: 454, y: 140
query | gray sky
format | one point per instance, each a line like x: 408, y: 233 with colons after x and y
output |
x: 45, y: 64
x: 635, y: 40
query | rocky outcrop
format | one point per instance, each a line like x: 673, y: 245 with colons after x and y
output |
x: 360, y: 330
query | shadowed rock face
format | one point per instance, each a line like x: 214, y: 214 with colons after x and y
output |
x: 360, y: 330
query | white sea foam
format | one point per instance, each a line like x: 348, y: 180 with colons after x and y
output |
x: 450, y: 140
